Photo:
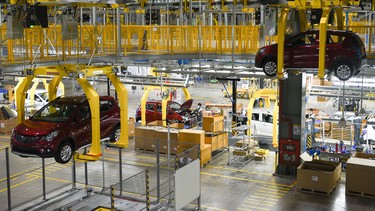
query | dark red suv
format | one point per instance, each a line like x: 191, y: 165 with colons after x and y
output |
x: 63, y: 126
x: 345, y: 53
x: 175, y: 112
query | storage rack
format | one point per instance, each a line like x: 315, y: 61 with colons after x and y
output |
x: 244, y: 149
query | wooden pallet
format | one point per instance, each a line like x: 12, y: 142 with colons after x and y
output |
x: 315, y: 191
x: 360, y: 194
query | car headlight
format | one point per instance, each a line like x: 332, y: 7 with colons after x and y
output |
x: 51, y: 136
x: 13, y: 134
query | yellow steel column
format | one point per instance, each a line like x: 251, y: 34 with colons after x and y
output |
x: 143, y: 105
x: 164, y: 111
x: 302, y: 19
x: 10, y: 50
x: 339, y: 18
x: 53, y: 87
x: 122, y: 94
x: 187, y: 93
x: 20, y: 91
x: 93, y: 99
x: 280, y: 39
x: 250, y: 110
x: 322, y: 41
x: 275, y: 125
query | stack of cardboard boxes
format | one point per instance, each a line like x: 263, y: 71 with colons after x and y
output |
x: 360, y: 171
x: 153, y: 134
x: 214, y: 130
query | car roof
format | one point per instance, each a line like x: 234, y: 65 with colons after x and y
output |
x: 79, y: 98
x: 332, y: 31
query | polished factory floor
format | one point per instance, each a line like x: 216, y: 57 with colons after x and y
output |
x: 234, y: 187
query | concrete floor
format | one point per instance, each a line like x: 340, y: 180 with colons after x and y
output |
x: 223, y: 186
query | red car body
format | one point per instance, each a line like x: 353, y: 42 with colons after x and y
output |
x: 345, y: 53
x: 63, y: 126
x: 175, y: 112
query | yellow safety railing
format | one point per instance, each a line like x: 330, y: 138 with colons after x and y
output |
x: 40, y: 44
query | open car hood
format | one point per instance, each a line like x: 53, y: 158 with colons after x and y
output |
x: 186, y: 105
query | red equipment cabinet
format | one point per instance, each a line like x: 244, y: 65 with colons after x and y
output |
x: 289, y: 152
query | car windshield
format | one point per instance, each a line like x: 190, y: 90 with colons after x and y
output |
x: 174, y: 106
x: 44, y: 95
x: 55, y: 112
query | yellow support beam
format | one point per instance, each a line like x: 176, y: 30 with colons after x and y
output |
x: 93, y: 99
x: 122, y: 94
x: 164, y: 110
x: 53, y: 87
x: 21, y: 90
x: 322, y: 41
x: 281, y: 39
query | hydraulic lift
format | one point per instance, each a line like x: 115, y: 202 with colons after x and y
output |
x: 80, y: 74
x: 292, y: 115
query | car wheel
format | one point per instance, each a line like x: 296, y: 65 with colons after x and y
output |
x: 343, y: 71
x: 270, y: 67
x: 64, y: 153
x: 116, y: 134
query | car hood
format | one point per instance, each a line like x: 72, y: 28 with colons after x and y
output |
x: 186, y: 105
x: 33, y: 128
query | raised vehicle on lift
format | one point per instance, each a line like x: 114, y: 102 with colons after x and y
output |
x: 345, y: 53
x: 63, y: 126
x: 175, y: 112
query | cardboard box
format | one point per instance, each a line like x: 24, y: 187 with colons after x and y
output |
x: 205, y: 154
x: 177, y: 125
x: 145, y: 138
x: 155, y: 123
x: 213, y: 123
x: 131, y: 127
x: 360, y: 176
x: 6, y: 126
x: 213, y: 140
x: 318, y: 175
x: 189, y: 138
x: 364, y: 155
x: 223, y: 140
x: 162, y: 136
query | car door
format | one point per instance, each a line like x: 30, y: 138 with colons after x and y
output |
x: 151, y: 112
x: 107, y: 121
x: 81, y: 126
x: 298, y: 51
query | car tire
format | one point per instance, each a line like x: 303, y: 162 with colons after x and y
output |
x: 270, y: 66
x: 343, y: 70
x: 116, y: 134
x: 64, y: 152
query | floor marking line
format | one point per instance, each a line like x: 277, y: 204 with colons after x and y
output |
x: 268, y: 196
x: 263, y: 197
x: 242, y: 179
x: 237, y: 170
x: 18, y: 184
x: 272, y: 193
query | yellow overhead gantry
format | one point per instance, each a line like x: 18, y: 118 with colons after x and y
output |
x: 267, y: 95
x: 164, y: 102
x: 301, y: 6
x: 80, y: 72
